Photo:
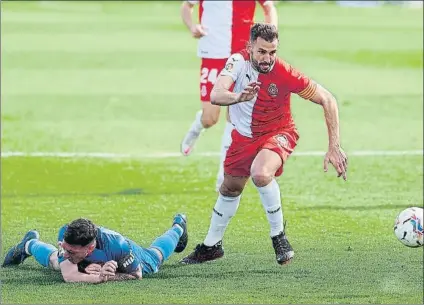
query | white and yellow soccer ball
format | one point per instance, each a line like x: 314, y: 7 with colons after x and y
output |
x: 409, y: 227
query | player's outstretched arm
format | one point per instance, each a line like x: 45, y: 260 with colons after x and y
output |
x: 71, y: 274
x: 335, y: 155
x: 96, y: 273
x: 270, y: 12
x: 222, y: 96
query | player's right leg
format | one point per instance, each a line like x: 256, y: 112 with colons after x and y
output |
x: 30, y: 245
x: 173, y: 240
x: 225, y: 208
x: 209, y: 115
x: 205, y: 118
x: 238, y: 161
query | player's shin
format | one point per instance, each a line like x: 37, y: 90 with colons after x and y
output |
x: 167, y: 242
x: 197, y: 125
x: 271, y: 201
x: 225, y: 208
x: 41, y: 251
x: 192, y: 135
x: 225, y: 144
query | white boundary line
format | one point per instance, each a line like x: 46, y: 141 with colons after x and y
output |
x: 162, y: 155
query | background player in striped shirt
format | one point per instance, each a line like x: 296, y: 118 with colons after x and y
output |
x: 223, y: 29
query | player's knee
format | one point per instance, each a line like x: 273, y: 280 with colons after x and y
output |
x: 261, y: 178
x: 209, y: 120
x: 230, y: 190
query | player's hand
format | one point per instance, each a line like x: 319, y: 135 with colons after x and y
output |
x: 249, y: 92
x: 337, y: 157
x: 197, y: 31
x: 93, y: 269
x: 108, y: 269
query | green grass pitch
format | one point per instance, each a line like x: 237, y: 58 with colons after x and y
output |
x: 122, y: 78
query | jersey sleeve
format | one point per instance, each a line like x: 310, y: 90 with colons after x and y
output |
x: 127, y: 260
x: 233, y: 66
x: 60, y: 237
x: 300, y: 83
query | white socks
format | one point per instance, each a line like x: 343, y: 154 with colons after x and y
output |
x: 224, y: 209
x: 197, y: 125
x: 225, y: 144
x: 271, y: 200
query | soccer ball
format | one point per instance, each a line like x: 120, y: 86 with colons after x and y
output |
x: 409, y: 227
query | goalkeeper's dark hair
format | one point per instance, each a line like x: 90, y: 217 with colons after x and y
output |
x: 266, y: 31
x: 80, y: 232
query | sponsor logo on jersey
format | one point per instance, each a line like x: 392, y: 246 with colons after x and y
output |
x: 128, y: 260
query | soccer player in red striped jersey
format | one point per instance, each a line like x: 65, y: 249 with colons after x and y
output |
x: 223, y: 29
x: 264, y: 136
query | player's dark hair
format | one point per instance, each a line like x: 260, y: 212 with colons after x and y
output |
x: 265, y: 31
x: 80, y: 232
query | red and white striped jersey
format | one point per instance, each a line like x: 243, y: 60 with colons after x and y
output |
x: 227, y: 24
x: 270, y: 111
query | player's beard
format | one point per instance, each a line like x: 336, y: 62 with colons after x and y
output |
x: 263, y: 66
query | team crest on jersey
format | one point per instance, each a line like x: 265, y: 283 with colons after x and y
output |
x: 229, y: 67
x: 282, y: 140
x: 272, y: 90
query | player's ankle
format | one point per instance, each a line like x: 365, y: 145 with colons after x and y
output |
x: 26, y: 247
x: 178, y: 226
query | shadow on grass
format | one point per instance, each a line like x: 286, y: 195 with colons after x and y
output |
x: 30, y: 275
x: 126, y: 192
x: 197, y: 271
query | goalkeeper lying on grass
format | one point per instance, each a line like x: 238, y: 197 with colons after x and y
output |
x: 92, y: 254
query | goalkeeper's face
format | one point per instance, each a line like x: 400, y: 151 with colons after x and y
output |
x: 263, y: 54
x: 75, y: 253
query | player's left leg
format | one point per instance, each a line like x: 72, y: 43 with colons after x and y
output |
x: 173, y: 240
x: 209, y: 115
x: 30, y: 245
x: 205, y: 118
x: 237, y: 165
x: 268, y: 164
x: 225, y: 208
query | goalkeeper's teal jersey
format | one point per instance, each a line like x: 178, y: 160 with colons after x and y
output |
x: 111, y: 245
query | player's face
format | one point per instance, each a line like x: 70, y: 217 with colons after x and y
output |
x: 263, y: 54
x: 75, y: 253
